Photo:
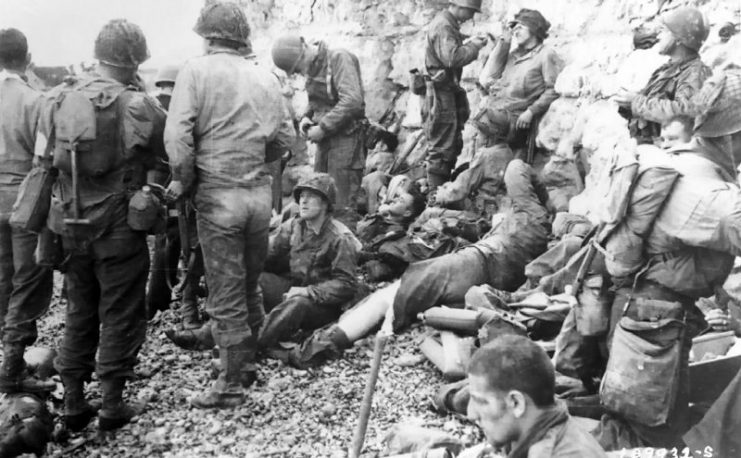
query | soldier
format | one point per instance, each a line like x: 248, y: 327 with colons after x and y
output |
x: 25, y: 288
x: 336, y: 114
x: 106, y: 250
x: 221, y: 163
x: 446, y: 103
x: 521, y: 82
x: 512, y: 384
x: 165, y: 83
x: 671, y: 87
x: 321, y: 253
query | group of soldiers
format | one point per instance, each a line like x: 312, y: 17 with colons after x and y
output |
x: 114, y: 156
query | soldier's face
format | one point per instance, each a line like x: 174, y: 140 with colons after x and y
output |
x: 311, y: 205
x: 495, y: 414
x: 400, y: 205
x: 666, y: 42
x: 674, y: 134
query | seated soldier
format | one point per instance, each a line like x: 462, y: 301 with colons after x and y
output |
x: 512, y: 384
x: 313, y: 258
x: 519, y: 234
x: 478, y: 188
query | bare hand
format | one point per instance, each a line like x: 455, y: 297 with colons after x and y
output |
x: 296, y: 291
x: 506, y: 32
x: 624, y: 97
x: 479, y: 42
x: 524, y: 120
x: 315, y: 134
x: 305, y: 124
x: 719, y: 320
x: 174, y: 190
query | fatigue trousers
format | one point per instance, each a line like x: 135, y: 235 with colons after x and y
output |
x: 106, y: 283
x: 343, y: 157
x: 287, y: 316
x: 443, y: 126
x: 25, y: 288
x: 233, y: 228
x: 616, y: 433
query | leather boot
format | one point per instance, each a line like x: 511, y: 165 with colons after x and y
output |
x: 13, y: 375
x: 227, y: 391
x: 320, y: 347
x: 192, y: 339
x: 77, y: 411
x: 116, y: 413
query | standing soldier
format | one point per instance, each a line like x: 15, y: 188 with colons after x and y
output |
x: 446, y: 103
x: 336, y: 113
x: 25, y: 288
x: 227, y: 119
x: 107, y: 259
x: 670, y: 89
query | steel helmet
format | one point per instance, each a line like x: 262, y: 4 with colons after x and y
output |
x: 224, y: 21
x: 121, y: 44
x: 287, y: 52
x: 688, y: 25
x: 166, y: 75
x: 471, y: 4
x: 321, y: 183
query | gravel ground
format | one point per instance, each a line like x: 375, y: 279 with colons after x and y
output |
x: 288, y: 413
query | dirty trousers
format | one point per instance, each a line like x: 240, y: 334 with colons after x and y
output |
x: 342, y: 156
x: 106, y: 309
x: 233, y: 230
x: 25, y: 288
x: 288, y: 316
x: 443, y: 126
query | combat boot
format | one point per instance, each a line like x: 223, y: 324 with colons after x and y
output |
x: 322, y: 346
x: 13, y: 375
x: 192, y: 339
x: 227, y: 391
x: 77, y: 411
x: 116, y: 413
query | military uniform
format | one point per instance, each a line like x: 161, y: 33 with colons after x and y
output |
x: 25, y: 288
x: 108, y: 261
x: 668, y: 93
x: 687, y: 254
x: 519, y: 235
x: 224, y: 163
x: 446, y: 108
x: 323, y: 262
x: 337, y: 105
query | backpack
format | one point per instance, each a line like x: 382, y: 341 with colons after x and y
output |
x: 87, y: 120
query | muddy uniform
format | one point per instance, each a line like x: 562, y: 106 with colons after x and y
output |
x: 337, y: 105
x: 446, y: 106
x: 25, y: 288
x: 324, y: 263
x: 218, y: 150
x: 498, y: 259
x: 687, y: 254
x: 107, y: 261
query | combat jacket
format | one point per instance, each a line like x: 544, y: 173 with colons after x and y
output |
x: 483, y: 181
x: 335, y: 90
x: 138, y: 144
x: 445, y: 49
x: 225, y: 112
x: 519, y: 81
x: 324, y: 262
x: 20, y: 108
x: 668, y: 93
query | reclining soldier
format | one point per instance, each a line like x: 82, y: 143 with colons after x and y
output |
x: 519, y: 234
x: 311, y: 265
